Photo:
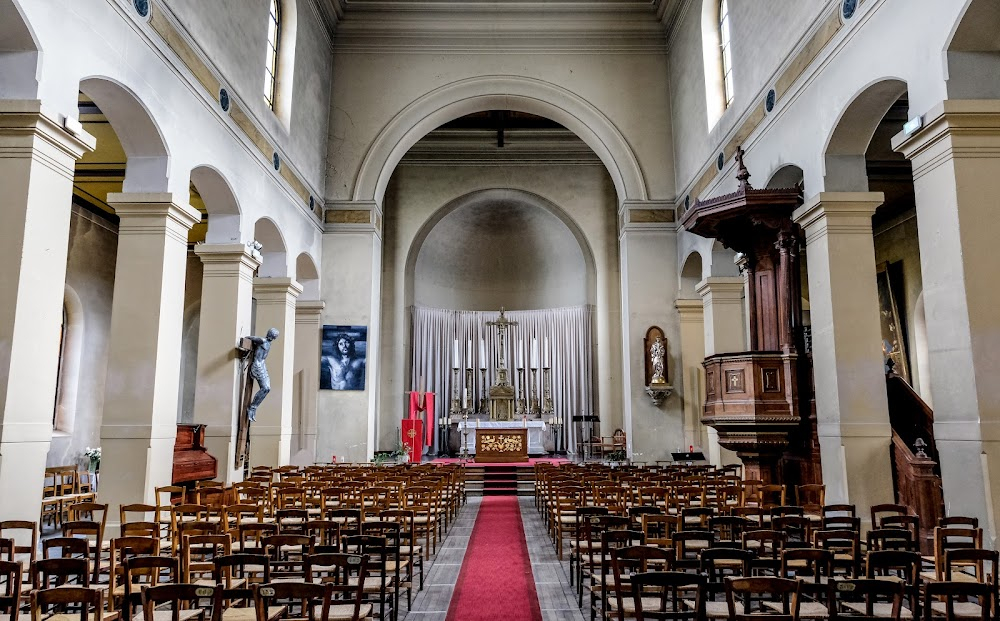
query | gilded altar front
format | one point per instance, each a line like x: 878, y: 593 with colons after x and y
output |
x: 501, y: 445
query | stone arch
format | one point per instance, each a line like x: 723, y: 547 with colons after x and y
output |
x: 495, y: 194
x: 307, y: 275
x: 19, y: 55
x: 274, y: 258
x: 973, y: 52
x: 692, y: 271
x: 70, y: 357
x: 220, y: 202
x: 844, y: 169
x: 786, y: 176
x: 148, y: 159
x: 723, y: 261
x: 499, y: 92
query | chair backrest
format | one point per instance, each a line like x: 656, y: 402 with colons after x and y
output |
x: 752, y: 592
x: 55, y: 572
x: 891, y: 539
x: 717, y: 564
x: 250, y: 567
x: 136, y: 512
x: 345, y: 573
x: 636, y: 559
x: 68, y: 547
x: 88, y: 602
x: 10, y: 589
x: 954, y: 592
x: 25, y: 536
x: 286, y: 553
x: 809, y: 564
x: 959, y: 520
x: 984, y: 564
x: 662, y: 587
x: 144, y: 571
x: 301, y: 600
x: 177, y: 597
x: 869, y: 592
x: 882, y: 510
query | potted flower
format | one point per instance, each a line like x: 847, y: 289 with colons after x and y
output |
x: 93, y: 455
x: 617, y: 457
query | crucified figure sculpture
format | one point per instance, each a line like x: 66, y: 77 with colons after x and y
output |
x: 258, y: 370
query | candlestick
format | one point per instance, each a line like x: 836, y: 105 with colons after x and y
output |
x: 454, y: 391
x: 482, y: 354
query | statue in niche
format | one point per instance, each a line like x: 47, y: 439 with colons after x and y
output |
x: 656, y: 353
x: 258, y: 369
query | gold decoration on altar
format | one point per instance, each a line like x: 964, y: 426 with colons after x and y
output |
x: 501, y: 443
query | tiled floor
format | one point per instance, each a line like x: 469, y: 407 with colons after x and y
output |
x: 556, y: 597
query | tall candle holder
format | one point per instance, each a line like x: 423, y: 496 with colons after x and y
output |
x: 483, y: 401
x: 443, y: 423
x: 469, y: 390
x: 455, y: 395
x: 547, y: 391
x: 521, y: 406
x: 533, y: 404
x: 464, y: 453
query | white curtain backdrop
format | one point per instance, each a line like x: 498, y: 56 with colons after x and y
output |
x: 571, y: 348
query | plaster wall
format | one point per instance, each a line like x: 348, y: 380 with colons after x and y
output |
x: 584, y: 193
x: 90, y: 273
x: 628, y: 89
x: 233, y: 34
x: 193, y: 280
x: 98, y: 38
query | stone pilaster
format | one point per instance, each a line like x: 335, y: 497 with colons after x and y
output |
x: 308, y: 335
x: 37, y: 160
x: 851, y: 409
x: 691, y: 374
x: 956, y: 178
x: 140, y: 396
x: 226, y: 298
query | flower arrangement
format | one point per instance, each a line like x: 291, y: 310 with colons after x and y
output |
x: 94, y: 455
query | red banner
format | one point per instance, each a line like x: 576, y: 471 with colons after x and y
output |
x: 413, y: 439
x: 422, y: 409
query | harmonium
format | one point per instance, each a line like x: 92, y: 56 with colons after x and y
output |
x: 191, y: 461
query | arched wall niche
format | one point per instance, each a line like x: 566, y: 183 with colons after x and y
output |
x: 786, y: 176
x: 973, y: 52
x: 148, y: 160
x: 691, y: 275
x: 543, y: 236
x: 220, y: 203
x: 71, y: 354
x: 19, y: 54
x: 307, y: 275
x: 499, y: 92
x: 845, y: 169
x: 274, y: 261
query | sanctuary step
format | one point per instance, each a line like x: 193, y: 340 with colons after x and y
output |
x: 499, y: 479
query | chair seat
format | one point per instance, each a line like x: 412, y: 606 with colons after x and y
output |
x: 411, y: 550
x: 958, y: 576
x: 962, y: 609
x: 250, y: 613
x: 167, y: 615
x: 628, y: 603
x: 345, y: 612
x: 713, y: 610
x: 807, y: 610
x: 880, y: 609
x: 105, y: 616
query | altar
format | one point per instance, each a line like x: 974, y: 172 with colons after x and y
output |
x: 536, y: 433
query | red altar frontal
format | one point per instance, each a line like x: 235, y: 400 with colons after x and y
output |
x: 417, y: 428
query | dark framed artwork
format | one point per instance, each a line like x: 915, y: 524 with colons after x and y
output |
x: 343, y: 357
x: 892, y: 320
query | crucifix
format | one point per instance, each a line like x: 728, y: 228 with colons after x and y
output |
x: 502, y: 324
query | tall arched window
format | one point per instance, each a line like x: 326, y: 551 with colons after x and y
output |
x: 273, y: 49
x: 726, y: 51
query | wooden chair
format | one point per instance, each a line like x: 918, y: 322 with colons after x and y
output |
x: 10, y: 589
x: 346, y: 574
x: 142, y: 572
x: 198, y: 554
x: 742, y: 593
x: 717, y: 565
x: 845, y: 545
x: 813, y: 568
x: 236, y: 574
x: 655, y: 596
x: 294, y: 600
x: 864, y: 599
x: 956, y: 602
x: 410, y: 555
x: 49, y: 573
x: 627, y: 562
x: 383, y: 577
x: 286, y: 553
x: 181, y: 602
x: 123, y: 548
x: 901, y: 566
x: 69, y: 602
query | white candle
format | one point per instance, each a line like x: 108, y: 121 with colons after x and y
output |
x: 548, y: 362
x: 454, y: 356
x: 468, y: 353
x: 465, y: 397
x: 534, y: 353
x: 520, y: 353
x: 482, y: 354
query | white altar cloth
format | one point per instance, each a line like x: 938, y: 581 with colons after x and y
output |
x: 536, y: 431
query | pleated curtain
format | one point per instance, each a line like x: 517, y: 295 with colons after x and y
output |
x: 570, y: 355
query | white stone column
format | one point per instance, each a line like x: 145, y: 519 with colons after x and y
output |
x: 723, y: 306
x: 956, y: 177
x: 691, y: 376
x: 271, y: 434
x: 647, y: 246
x: 226, y: 298
x: 37, y: 160
x: 851, y: 409
x: 351, y: 282
x: 140, y: 395
x: 308, y: 334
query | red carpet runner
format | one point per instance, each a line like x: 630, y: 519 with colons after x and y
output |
x: 496, y: 580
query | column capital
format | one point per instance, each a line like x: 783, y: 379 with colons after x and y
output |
x: 228, y: 254
x: 276, y: 288
x: 352, y: 217
x: 953, y: 127
x: 721, y: 288
x: 838, y: 212
x: 648, y: 215
x: 142, y: 213
x: 690, y: 310
x: 309, y: 311
x: 27, y: 130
